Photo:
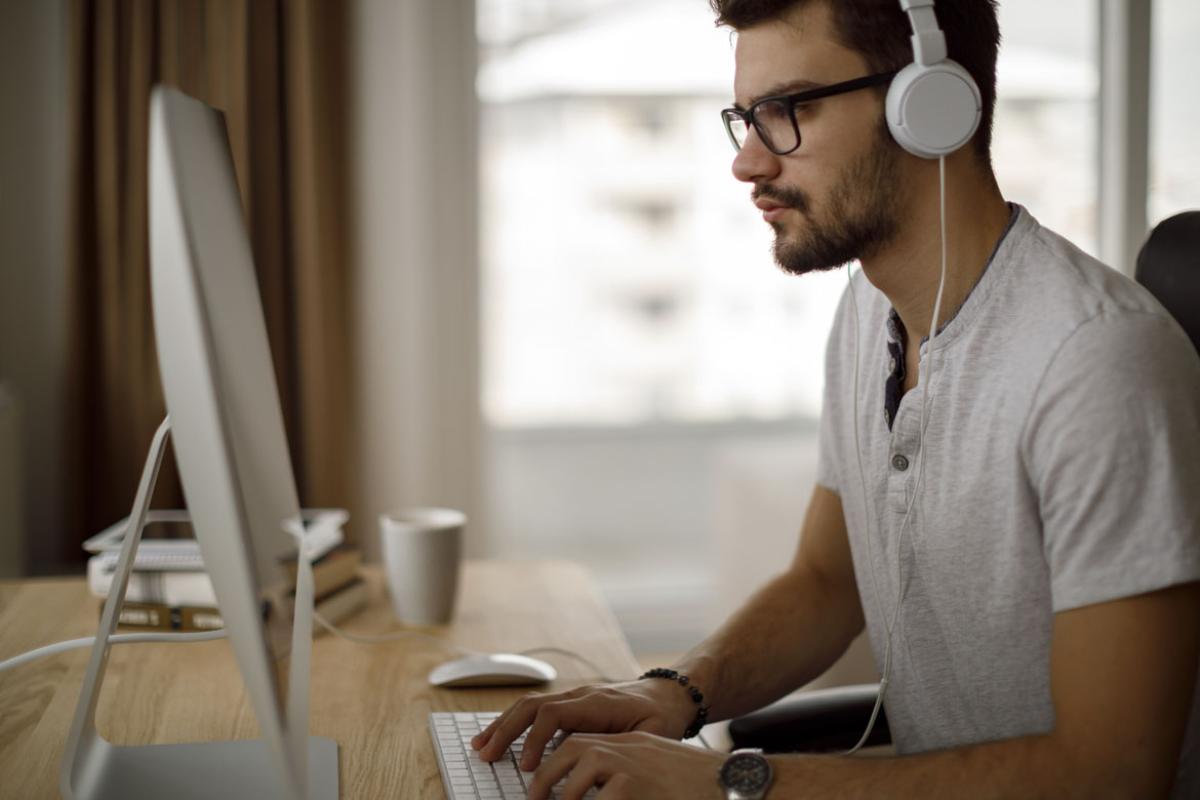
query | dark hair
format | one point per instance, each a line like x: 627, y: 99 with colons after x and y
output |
x: 879, y: 30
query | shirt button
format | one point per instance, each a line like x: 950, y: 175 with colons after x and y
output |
x: 891, y: 365
x: 899, y: 463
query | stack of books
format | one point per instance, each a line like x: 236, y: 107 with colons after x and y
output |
x: 169, y: 589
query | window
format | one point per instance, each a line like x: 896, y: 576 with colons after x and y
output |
x: 618, y: 289
x: 651, y: 379
x: 618, y: 286
x: 1044, y: 146
x: 1174, y: 109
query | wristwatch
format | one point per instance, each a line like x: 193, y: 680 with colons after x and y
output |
x: 745, y: 775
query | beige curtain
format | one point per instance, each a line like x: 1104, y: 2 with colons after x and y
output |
x: 276, y: 69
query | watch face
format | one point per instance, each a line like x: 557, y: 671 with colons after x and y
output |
x: 746, y: 773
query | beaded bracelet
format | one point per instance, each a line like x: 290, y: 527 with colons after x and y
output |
x: 696, y: 695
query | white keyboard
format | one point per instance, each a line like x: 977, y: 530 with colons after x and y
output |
x: 466, y: 775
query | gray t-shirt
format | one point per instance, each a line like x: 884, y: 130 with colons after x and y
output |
x: 1062, y: 469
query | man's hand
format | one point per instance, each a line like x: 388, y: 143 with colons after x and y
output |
x: 659, y: 707
x: 627, y: 766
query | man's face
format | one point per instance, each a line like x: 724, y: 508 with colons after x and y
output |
x: 835, y: 198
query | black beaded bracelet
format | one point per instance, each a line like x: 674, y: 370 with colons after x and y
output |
x: 694, y: 693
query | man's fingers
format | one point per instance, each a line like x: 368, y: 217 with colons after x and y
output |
x: 550, y: 718
x: 581, y: 709
x: 591, y: 768
x: 485, y: 735
x: 481, y: 738
x: 618, y: 787
x: 566, y: 759
x: 504, y: 730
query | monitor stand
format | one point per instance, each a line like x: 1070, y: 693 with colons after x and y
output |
x: 95, y: 769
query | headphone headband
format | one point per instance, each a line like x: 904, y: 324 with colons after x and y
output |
x: 928, y: 41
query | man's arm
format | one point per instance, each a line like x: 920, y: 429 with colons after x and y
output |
x: 787, y: 634
x: 1122, y: 678
x: 792, y: 630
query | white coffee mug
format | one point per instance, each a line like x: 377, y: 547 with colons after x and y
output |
x: 422, y: 550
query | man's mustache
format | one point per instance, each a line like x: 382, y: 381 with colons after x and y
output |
x: 783, y: 195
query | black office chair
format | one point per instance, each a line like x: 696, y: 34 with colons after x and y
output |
x: 829, y: 720
x: 820, y: 721
x: 1169, y: 266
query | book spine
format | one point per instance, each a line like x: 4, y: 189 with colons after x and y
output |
x: 201, y: 619
x: 332, y: 571
x: 160, y: 617
x: 334, y: 606
x: 194, y: 588
x: 148, y: 616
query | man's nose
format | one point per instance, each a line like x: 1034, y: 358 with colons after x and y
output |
x: 754, y: 163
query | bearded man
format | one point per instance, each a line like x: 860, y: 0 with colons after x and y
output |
x: 1020, y: 536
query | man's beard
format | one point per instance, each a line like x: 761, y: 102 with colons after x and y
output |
x: 847, y: 231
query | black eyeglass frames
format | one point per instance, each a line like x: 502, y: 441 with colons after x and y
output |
x: 774, y: 118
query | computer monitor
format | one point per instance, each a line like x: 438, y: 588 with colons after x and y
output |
x: 231, y: 449
x: 219, y: 384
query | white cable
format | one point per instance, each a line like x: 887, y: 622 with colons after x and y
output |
x: 866, y: 522
x: 359, y: 638
x: 384, y: 638
x: 929, y: 362
x: 857, y: 449
x: 599, y: 674
x: 120, y: 638
x: 928, y: 379
x: 301, y: 643
x: 206, y: 636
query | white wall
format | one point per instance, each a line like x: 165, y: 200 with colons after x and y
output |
x: 33, y: 213
x: 414, y: 243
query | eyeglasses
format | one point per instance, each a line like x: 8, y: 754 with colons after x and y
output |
x: 774, y: 118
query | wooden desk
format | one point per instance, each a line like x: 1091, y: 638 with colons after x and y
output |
x: 372, y: 699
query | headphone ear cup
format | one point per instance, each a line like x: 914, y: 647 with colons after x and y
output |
x: 932, y: 111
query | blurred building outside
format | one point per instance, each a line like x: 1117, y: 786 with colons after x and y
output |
x: 652, y: 381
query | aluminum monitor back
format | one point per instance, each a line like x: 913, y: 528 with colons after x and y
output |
x: 222, y: 401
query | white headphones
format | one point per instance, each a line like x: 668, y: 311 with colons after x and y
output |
x: 933, y: 105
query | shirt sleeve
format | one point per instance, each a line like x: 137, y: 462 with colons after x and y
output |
x: 833, y: 400
x: 1112, y: 449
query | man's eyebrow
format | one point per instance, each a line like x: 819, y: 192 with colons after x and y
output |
x: 786, y: 87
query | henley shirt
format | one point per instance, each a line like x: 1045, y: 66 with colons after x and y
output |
x: 1062, y: 469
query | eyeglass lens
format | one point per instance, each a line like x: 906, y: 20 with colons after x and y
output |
x: 774, y: 124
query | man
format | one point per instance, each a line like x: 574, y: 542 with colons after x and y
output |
x: 1046, y: 641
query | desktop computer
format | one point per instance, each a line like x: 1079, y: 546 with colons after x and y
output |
x: 224, y: 417
x: 223, y: 414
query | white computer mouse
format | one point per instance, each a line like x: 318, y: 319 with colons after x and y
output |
x: 493, y: 669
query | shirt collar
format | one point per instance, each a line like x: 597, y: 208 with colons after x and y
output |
x: 895, y: 326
